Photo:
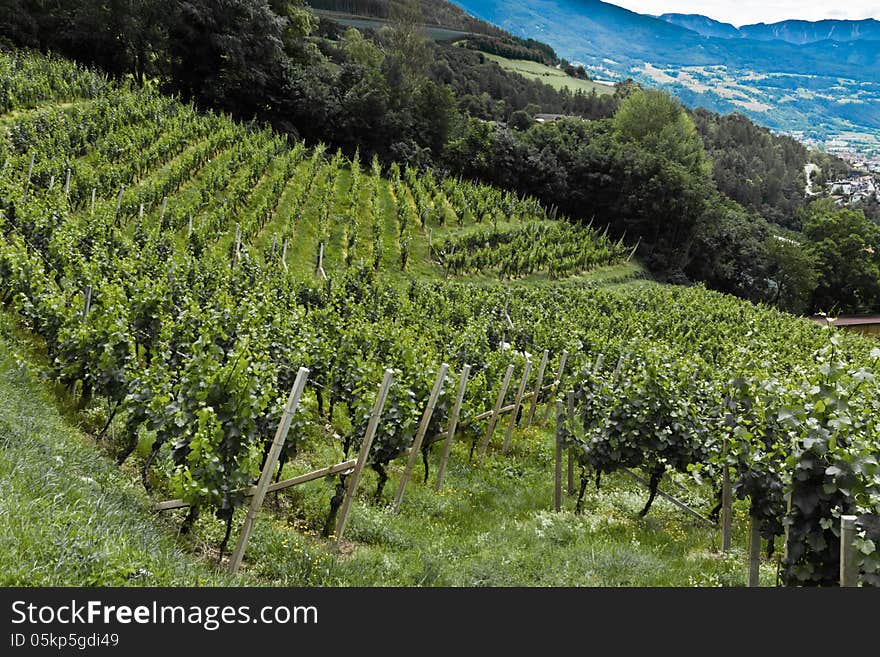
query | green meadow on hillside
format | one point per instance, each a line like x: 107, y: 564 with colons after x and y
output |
x: 550, y: 75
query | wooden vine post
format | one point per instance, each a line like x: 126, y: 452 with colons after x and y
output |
x: 67, y: 185
x: 754, y: 550
x: 284, y: 484
x: 557, y: 481
x: 87, y: 303
x: 538, y: 383
x: 355, y: 480
x: 268, y: 468
x: 119, y: 198
x: 321, y: 261
x: 726, y: 504
x: 570, y: 482
x: 786, y: 526
x: 453, y: 425
x: 556, y: 382
x: 27, y: 184
x: 493, y: 420
x: 420, y: 436
x: 516, y: 406
x: 94, y: 192
x: 849, y: 566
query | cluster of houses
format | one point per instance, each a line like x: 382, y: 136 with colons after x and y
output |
x: 854, y: 190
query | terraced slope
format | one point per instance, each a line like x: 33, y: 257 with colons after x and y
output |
x: 169, y: 266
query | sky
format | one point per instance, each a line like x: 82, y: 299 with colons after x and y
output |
x: 743, y: 12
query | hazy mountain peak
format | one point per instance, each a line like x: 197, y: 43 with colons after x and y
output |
x: 702, y: 25
x: 798, y: 32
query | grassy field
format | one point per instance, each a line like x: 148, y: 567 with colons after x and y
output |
x: 549, y: 75
x: 68, y: 515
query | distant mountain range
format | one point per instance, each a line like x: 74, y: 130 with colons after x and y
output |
x: 796, y: 32
x: 590, y: 30
x: 820, y: 78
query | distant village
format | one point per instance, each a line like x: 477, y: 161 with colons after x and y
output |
x: 856, y: 189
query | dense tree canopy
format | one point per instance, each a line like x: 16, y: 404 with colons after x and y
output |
x: 846, y: 247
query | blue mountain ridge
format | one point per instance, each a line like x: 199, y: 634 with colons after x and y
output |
x: 823, y: 87
x: 798, y: 32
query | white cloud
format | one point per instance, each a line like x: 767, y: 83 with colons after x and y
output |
x: 743, y: 12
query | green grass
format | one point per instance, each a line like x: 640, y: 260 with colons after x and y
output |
x: 491, y: 526
x: 555, y: 77
x: 68, y: 515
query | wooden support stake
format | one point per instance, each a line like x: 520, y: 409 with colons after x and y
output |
x: 487, y: 414
x: 785, y: 526
x: 277, y: 486
x: 67, y: 184
x: 119, y: 198
x: 681, y: 505
x: 27, y: 184
x: 189, y: 227
x: 311, y: 476
x: 537, y: 391
x: 453, y: 424
x: 556, y: 382
x: 236, y: 253
x: 420, y: 436
x: 570, y: 407
x: 94, y: 191
x: 268, y: 469
x: 51, y: 183
x: 493, y: 419
x: 726, y: 510
x: 754, y: 550
x: 560, y: 427
x: 516, y: 406
x: 321, y: 261
x: 141, y: 212
x: 355, y: 479
x: 164, y: 208
x: 849, y: 566
x: 87, y: 304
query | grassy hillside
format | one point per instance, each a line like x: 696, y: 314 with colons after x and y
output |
x: 550, y: 75
x: 68, y: 515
